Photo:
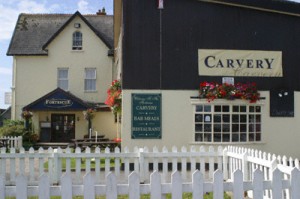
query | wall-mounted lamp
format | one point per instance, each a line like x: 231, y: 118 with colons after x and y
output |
x: 78, y: 118
x: 283, y: 93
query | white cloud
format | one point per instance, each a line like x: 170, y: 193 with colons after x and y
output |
x: 9, y: 12
x: 83, y: 6
x: 5, y: 71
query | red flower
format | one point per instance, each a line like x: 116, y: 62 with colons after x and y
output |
x: 114, y: 96
x: 211, y: 91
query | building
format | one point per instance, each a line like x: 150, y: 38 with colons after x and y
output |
x: 62, y: 67
x: 4, y: 115
x: 169, y: 47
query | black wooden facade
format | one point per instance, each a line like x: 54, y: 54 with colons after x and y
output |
x: 160, y: 47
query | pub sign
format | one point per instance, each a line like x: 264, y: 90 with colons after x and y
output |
x: 146, y: 116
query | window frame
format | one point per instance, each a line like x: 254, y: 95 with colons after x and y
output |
x: 231, y: 113
x: 62, y: 79
x: 89, y: 79
x: 77, y: 40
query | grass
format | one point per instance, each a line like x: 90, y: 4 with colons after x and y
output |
x: 147, y: 196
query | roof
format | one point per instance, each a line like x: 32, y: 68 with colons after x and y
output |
x: 277, y: 6
x: 59, y: 99
x: 33, y: 32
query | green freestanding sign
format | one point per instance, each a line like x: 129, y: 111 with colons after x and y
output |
x: 146, y: 116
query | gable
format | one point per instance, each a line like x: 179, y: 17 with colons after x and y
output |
x: 58, y: 99
x: 39, y: 30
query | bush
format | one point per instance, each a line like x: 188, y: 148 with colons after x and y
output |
x: 16, y: 128
x: 12, y: 128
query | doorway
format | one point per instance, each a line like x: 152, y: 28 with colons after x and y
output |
x: 62, y: 127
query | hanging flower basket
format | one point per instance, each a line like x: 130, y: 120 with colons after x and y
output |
x: 245, y: 91
x: 88, y: 114
x: 114, y: 97
x: 26, y: 115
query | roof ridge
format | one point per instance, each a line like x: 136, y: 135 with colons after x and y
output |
x: 63, y: 14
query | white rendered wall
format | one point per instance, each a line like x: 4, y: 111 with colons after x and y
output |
x: 279, y: 135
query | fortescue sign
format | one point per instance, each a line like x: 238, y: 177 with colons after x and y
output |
x: 240, y: 63
x: 58, y: 103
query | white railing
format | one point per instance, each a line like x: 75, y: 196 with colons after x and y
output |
x: 12, y: 141
x: 197, y: 187
x: 248, y: 160
x: 32, y: 163
x: 143, y: 161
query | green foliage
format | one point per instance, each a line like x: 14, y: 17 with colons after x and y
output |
x: 12, y: 128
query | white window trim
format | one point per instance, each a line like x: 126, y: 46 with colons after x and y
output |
x: 90, y: 91
x: 58, y: 79
x: 197, y: 101
x: 74, y: 47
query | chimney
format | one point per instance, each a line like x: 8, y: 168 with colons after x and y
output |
x: 101, y: 12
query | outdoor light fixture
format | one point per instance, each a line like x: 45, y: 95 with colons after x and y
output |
x: 283, y: 93
x: 78, y: 118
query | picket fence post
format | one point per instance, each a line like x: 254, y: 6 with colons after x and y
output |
x: 78, y: 166
x: 258, y: 178
x: 111, y: 186
x: 238, y: 185
x: 183, y: 163
x: 134, y: 185
x: 12, y: 168
x: 155, y: 185
x: 66, y: 186
x: 165, y: 164
x: 225, y: 164
x: 117, y: 162
x: 245, y: 166
x: 141, y: 163
x: 2, y: 186
x: 218, y: 186
x: 197, y: 185
x: 55, y: 166
x: 176, y: 181
x: 295, y: 184
x: 89, y: 186
x: 44, y: 187
x: 21, y: 187
x: 276, y: 184
x: 97, y: 164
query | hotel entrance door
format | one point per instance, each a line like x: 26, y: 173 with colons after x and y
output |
x: 62, y: 127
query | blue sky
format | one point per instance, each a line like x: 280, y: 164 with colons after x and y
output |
x: 9, y: 12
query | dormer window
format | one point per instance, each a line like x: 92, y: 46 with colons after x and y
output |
x: 77, y: 41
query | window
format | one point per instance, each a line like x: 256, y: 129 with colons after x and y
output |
x: 90, y: 79
x: 62, y: 78
x: 227, y: 123
x: 77, y: 41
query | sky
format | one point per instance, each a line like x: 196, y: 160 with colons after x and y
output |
x: 9, y: 12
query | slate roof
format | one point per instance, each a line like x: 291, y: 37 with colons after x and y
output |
x: 33, y: 32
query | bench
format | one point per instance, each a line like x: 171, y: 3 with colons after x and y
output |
x: 46, y: 145
x: 100, y: 144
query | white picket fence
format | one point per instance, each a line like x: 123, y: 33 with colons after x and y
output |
x: 31, y: 165
x: 248, y: 160
x: 156, y: 188
x: 13, y: 141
